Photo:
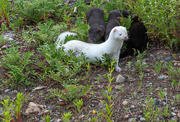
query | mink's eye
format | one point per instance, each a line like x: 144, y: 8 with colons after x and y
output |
x: 120, y: 34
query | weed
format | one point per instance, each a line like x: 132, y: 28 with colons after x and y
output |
x: 71, y: 92
x: 2, y: 40
x: 140, y: 64
x: 7, y: 110
x: 17, y: 63
x: 35, y: 10
x: 161, y: 19
x: 46, y: 32
x: 78, y: 104
x: 161, y: 94
x: 4, y: 12
x: 172, y: 72
x: 19, y: 103
x: 47, y: 118
x: 157, y: 67
x: 66, y: 116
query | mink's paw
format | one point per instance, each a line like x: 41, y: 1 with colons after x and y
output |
x: 118, y: 69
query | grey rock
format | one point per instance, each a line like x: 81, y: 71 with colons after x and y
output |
x: 174, y: 114
x: 168, y: 58
x: 173, y: 108
x: 142, y: 119
x: 7, y: 90
x: 120, y: 79
x: 162, y: 77
x: 1, y: 112
x: 117, y: 87
x: 156, y: 102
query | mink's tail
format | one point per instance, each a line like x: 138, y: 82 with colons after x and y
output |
x: 61, y: 38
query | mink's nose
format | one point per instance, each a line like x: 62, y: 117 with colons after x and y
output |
x: 125, y: 37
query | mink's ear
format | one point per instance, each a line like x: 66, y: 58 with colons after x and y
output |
x: 114, y: 30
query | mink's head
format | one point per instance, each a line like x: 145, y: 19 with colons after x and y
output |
x: 95, y: 33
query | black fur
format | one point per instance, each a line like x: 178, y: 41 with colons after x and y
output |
x: 95, y: 18
x: 138, y: 38
x: 114, y: 19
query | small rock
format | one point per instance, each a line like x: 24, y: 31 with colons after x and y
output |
x: 131, y: 120
x: 142, y: 119
x: 173, y: 108
x: 60, y: 99
x: 172, y: 118
x: 178, y: 114
x: 168, y: 58
x: 125, y: 103
x: 46, y: 111
x: 117, y: 87
x: 126, y: 116
x: 132, y: 106
x: 162, y: 77
x: 174, y: 114
x: 38, y: 88
x: 7, y: 90
x: 120, y: 79
x: 32, y: 108
x: 1, y: 112
x: 156, y: 102
x: 175, y: 64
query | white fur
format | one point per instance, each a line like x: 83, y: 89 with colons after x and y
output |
x: 111, y: 46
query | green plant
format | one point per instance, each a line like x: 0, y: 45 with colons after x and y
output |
x: 107, y: 113
x: 141, y: 75
x: 151, y: 112
x: 70, y: 92
x: 140, y: 64
x: 161, y: 19
x: 129, y: 65
x: 35, y: 10
x: 78, y: 104
x: 7, y: 110
x: 161, y: 94
x: 157, y: 67
x: 172, y: 72
x: 177, y: 97
x: 17, y: 65
x: 2, y: 40
x: 63, y: 67
x: 19, y: 104
x: 4, y: 12
x: 66, y: 116
x: 47, y: 118
x: 140, y: 85
x: 46, y: 32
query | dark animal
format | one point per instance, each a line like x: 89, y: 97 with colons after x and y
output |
x: 95, y: 18
x: 114, y: 19
x: 138, y: 38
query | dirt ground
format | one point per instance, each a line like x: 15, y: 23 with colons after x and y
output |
x: 128, y: 97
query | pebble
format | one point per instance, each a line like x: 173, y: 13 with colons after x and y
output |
x: 131, y: 120
x: 178, y: 114
x: 142, y: 119
x: 173, y: 108
x: 132, y: 106
x: 120, y: 79
x: 168, y: 58
x: 175, y: 64
x: 174, y: 114
x: 7, y: 90
x: 162, y: 77
x: 125, y: 103
x: 126, y: 116
x: 156, y: 102
x: 117, y: 87
x: 1, y: 112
